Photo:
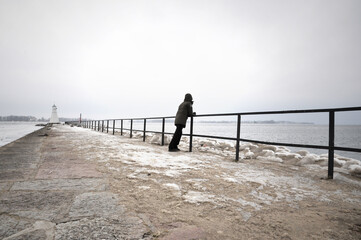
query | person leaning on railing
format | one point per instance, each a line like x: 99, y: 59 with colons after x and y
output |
x: 185, y: 110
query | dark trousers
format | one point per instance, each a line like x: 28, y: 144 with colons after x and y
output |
x: 176, y: 137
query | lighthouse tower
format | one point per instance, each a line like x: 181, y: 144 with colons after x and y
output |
x: 54, y: 116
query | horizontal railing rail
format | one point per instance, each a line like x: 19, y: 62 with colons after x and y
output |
x: 103, y: 125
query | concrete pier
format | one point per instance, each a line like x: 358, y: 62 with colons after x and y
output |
x: 73, y: 183
x: 48, y: 192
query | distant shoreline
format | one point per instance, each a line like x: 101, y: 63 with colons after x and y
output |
x: 43, y: 120
x: 33, y: 119
x: 261, y: 122
x: 247, y: 122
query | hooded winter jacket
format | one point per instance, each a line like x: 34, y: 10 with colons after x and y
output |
x: 185, y: 110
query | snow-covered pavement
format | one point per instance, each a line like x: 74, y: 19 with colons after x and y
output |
x: 270, y: 193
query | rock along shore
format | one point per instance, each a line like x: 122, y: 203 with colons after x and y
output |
x: 72, y: 183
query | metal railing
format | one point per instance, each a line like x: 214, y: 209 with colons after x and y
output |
x: 100, y: 126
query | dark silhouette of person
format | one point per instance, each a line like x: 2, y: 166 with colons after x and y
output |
x: 185, y: 110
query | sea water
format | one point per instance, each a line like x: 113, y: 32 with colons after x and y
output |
x: 310, y: 134
x: 313, y: 134
x: 10, y: 131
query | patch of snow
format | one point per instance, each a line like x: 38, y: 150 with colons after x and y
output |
x: 263, y: 197
x: 286, y: 156
x: 273, y: 159
x: 114, y: 169
x: 172, y: 173
x: 245, y: 215
x: 355, y: 169
x: 198, y: 197
x: 157, y: 139
x: 230, y: 179
x: 172, y: 186
x: 341, y: 178
x: 197, y: 183
x: 303, y: 152
x: 308, y: 159
x: 247, y: 203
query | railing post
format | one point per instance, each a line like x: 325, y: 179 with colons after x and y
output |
x: 107, y: 126
x: 102, y: 125
x: 131, y: 128
x: 98, y: 126
x: 238, y: 136
x: 145, y: 125
x: 163, y: 128
x: 331, y: 143
x: 113, y: 127
x: 121, y: 127
x: 191, y: 135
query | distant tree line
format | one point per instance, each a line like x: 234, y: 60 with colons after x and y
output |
x: 32, y: 119
x: 19, y: 118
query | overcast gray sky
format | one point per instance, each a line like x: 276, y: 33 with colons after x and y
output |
x: 112, y: 59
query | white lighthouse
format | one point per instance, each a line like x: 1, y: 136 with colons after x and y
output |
x: 54, y: 115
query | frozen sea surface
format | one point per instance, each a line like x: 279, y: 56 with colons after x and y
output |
x: 11, y: 131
